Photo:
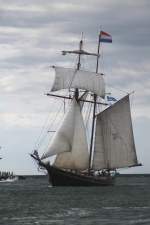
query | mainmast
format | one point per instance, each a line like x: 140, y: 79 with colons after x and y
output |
x: 94, y: 108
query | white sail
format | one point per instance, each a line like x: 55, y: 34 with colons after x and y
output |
x: 69, y: 142
x: 114, y: 141
x: 78, y: 157
x: 71, y: 78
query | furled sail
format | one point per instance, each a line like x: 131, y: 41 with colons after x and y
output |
x: 71, y: 78
x: 70, y: 142
x: 114, y: 141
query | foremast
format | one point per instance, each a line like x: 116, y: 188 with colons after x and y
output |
x: 79, y: 53
x: 78, y: 66
x: 82, y: 52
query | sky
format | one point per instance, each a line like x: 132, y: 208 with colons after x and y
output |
x: 32, y: 35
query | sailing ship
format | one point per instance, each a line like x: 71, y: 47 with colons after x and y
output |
x: 82, y: 162
x: 6, y: 176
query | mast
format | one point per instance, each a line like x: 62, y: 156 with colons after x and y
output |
x: 79, y: 65
x: 79, y: 56
x: 94, y: 109
x: 79, y: 53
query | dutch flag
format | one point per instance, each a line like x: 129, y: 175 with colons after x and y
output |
x: 105, y: 37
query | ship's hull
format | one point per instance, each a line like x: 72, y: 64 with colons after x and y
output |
x: 58, y: 177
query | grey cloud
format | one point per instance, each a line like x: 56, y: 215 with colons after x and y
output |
x: 36, y: 31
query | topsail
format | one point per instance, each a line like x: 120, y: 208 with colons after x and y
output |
x: 67, y: 78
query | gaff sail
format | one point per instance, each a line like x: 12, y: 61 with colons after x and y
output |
x: 114, y: 141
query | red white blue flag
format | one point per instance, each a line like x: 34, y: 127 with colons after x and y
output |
x: 105, y: 37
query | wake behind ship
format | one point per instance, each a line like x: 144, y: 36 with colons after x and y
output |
x: 80, y: 161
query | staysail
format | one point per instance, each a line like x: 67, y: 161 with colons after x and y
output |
x: 72, y: 78
x: 114, y: 141
x: 70, y: 142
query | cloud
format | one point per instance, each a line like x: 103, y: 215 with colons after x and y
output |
x: 33, y: 34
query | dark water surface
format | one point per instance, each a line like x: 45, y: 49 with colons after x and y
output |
x: 33, y: 201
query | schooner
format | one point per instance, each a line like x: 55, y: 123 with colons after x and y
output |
x: 82, y: 162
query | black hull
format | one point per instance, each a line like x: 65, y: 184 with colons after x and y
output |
x: 58, y: 177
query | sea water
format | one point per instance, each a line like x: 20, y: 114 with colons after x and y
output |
x: 34, y: 201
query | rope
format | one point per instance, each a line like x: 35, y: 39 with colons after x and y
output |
x: 58, y: 122
x: 123, y: 91
x: 41, y: 137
